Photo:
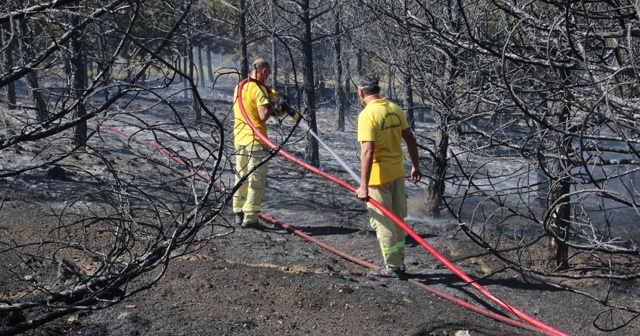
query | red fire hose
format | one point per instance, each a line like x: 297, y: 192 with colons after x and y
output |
x: 538, y: 324
x: 462, y: 303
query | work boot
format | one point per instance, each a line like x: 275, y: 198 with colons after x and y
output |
x: 385, y: 273
x: 239, y: 217
x: 250, y: 225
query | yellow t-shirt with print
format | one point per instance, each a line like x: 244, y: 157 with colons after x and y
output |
x: 382, y: 122
x: 253, y: 95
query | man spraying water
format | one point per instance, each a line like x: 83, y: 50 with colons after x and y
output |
x: 260, y: 102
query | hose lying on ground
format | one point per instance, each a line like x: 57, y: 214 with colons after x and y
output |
x: 532, y: 324
x: 507, y: 307
x: 462, y: 303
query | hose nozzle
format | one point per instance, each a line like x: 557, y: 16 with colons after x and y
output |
x: 284, y: 106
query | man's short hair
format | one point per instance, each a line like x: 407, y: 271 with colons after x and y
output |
x: 369, y: 84
x: 260, y: 64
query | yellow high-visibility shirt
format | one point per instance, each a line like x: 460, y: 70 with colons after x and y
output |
x: 253, y: 95
x: 382, y: 122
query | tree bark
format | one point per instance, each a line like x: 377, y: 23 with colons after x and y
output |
x: 560, y: 187
x: 311, y: 153
x: 244, y: 58
x: 390, y: 90
x: 442, y: 119
x: 408, y: 101
x: 423, y: 107
x: 274, y: 55
x: 359, y: 62
x: 435, y: 190
x: 209, y: 63
x: 186, y: 65
x: 103, y: 60
x: 201, y: 67
x: 560, y: 222
x: 338, y: 90
x: 32, y: 77
x: 7, y: 63
x: 196, y: 106
x: 78, y: 75
x: 274, y: 64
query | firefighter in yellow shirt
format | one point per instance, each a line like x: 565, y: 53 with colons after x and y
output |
x: 257, y: 100
x: 381, y: 128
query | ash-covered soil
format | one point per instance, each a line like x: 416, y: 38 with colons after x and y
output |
x: 269, y: 281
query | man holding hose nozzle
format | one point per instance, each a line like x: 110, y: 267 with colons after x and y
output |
x: 260, y: 102
x: 381, y: 128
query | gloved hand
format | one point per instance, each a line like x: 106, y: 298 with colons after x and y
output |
x: 274, y: 99
x: 284, y: 107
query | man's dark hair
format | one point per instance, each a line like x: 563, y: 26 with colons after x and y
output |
x: 369, y: 84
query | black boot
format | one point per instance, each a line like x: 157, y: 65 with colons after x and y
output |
x: 239, y: 217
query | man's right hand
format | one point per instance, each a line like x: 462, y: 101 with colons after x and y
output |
x: 416, y: 175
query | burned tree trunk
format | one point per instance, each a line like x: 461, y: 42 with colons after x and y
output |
x: 408, y: 101
x: 439, y: 167
x: 78, y: 86
x: 312, y: 155
x: 6, y: 40
x: 337, y: 52
x: 560, y: 177
x: 26, y: 49
x: 242, y: 26
x: 209, y: 63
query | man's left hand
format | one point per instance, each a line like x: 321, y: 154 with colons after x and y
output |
x: 362, y: 193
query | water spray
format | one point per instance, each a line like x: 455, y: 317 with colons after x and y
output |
x: 284, y: 106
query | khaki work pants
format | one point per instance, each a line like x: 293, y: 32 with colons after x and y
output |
x: 248, y: 198
x: 390, y: 236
